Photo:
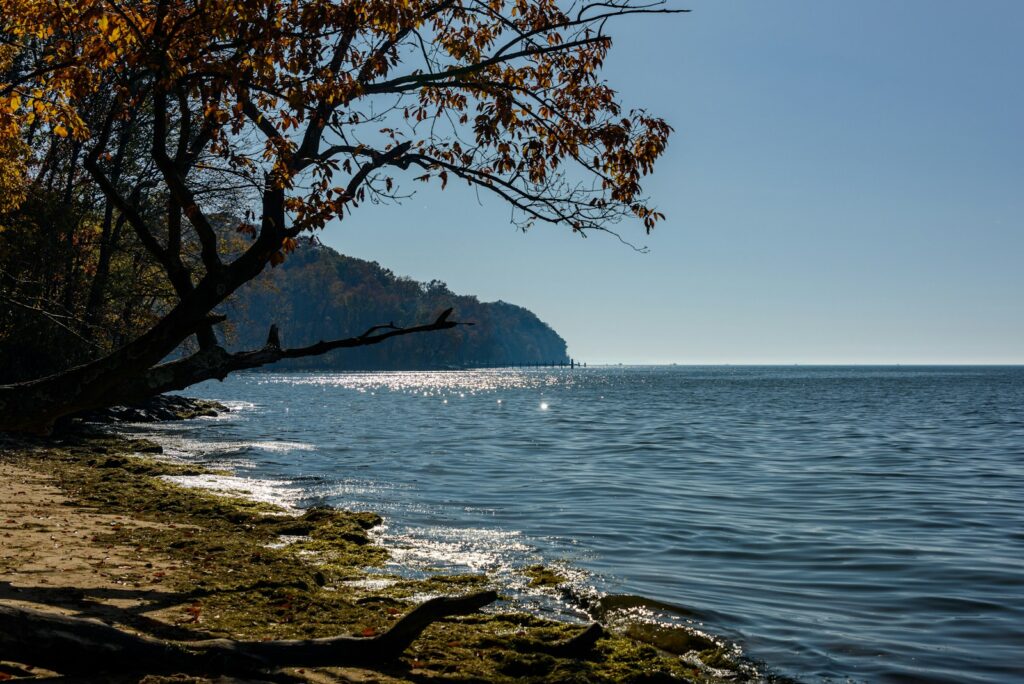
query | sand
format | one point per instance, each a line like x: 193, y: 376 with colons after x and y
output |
x: 50, y: 558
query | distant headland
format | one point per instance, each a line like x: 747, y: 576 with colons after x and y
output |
x: 318, y: 293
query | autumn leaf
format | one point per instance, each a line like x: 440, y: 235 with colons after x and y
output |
x: 195, y: 610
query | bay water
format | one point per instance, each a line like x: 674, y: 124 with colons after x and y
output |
x: 834, y: 523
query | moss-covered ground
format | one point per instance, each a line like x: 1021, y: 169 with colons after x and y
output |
x: 235, y: 578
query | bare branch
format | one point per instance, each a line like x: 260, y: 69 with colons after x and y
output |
x: 217, y: 363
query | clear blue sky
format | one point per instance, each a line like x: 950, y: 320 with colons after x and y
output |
x: 845, y: 185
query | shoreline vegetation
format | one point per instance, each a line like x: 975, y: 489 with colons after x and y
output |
x: 91, y: 528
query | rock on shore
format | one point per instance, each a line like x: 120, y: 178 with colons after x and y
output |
x: 158, y: 408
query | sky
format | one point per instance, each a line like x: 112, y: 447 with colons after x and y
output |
x: 845, y: 184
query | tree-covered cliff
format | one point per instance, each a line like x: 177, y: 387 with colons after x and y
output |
x: 318, y: 293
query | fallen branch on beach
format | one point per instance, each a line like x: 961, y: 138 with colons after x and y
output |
x: 81, y: 646
x: 576, y: 646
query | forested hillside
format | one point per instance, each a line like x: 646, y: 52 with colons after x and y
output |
x: 318, y: 293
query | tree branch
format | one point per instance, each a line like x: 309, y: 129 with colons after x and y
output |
x: 413, y: 81
x: 217, y: 363
x: 174, y: 178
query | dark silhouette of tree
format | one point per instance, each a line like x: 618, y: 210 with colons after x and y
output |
x: 301, y: 111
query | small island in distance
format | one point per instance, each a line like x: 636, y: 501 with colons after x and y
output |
x: 318, y: 293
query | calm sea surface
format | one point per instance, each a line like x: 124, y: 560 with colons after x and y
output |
x: 836, y: 523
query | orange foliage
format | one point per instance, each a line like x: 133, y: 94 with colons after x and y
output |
x: 331, y: 100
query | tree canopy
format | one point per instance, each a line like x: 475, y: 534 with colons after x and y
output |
x: 219, y: 132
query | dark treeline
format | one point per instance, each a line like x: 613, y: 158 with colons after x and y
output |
x: 75, y: 282
x: 320, y: 294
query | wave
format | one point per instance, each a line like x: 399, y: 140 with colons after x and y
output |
x: 277, y: 492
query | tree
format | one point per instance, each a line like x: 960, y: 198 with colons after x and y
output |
x: 304, y: 110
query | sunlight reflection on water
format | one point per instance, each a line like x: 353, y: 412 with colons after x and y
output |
x: 427, y: 383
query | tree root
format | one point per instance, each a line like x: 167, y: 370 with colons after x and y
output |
x: 81, y: 646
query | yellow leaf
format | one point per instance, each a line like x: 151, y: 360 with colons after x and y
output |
x: 60, y: 131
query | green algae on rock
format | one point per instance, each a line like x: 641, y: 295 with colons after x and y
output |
x: 543, y: 576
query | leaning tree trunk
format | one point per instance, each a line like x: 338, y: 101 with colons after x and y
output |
x: 130, y: 375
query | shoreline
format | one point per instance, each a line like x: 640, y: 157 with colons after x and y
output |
x: 137, y: 550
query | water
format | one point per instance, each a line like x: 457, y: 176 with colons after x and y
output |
x: 838, y: 524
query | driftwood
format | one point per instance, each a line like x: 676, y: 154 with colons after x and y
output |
x: 577, y: 646
x: 81, y: 646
